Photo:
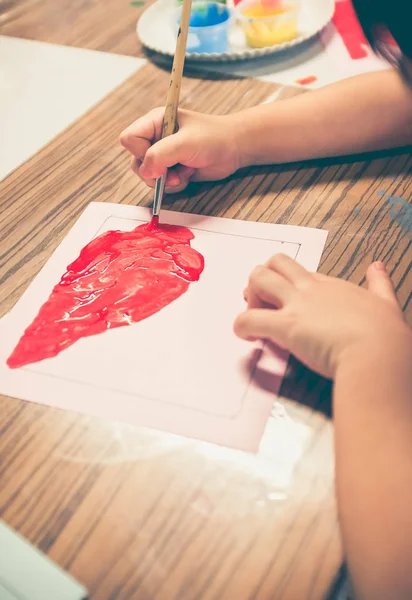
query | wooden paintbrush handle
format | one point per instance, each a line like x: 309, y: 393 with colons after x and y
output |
x: 172, y: 102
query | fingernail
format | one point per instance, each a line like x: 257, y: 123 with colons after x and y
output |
x: 379, y: 266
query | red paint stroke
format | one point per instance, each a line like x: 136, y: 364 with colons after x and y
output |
x: 306, y: 80
x: 348, y: 26
x: 119, y: 278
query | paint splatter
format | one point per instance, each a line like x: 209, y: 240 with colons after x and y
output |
x: 348, y: 27
x: 118, y: 279
x: 137, y: 4
x: 306, y: 80
x: 401, y: 212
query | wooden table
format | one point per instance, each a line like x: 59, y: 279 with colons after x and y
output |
x: 135, y: 516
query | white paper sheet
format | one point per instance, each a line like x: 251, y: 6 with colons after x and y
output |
x: 181, y: 370
x: 45, y: 87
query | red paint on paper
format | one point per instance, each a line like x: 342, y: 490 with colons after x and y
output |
x: 118, y: 279
x: 306, y: 80
x: 348, y: 27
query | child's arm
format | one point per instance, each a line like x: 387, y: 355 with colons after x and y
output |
x: 359, y: 339
x: 364, y: 113
x: 361, y: 114
x: 373, y: 443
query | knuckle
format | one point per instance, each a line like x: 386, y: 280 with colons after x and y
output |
x: 124, y: 138
x: 277, y: 260
x: 256, y: 275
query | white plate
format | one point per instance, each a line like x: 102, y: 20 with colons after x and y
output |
x: 155, y: 30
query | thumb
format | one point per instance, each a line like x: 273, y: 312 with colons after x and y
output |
x: 168, y: 152
x: 380, y: 284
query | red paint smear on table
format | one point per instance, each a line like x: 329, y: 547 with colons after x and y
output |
x: 348, y: 26
x: 118, y: 279
x: 306, y: 80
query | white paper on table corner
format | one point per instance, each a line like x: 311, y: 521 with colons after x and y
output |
x: 181, y: 370
x: 44, y: 88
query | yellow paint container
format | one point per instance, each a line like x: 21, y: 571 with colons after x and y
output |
x: 268, y: 22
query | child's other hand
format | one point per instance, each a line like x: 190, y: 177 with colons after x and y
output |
x: 203, y: 149
x: 319, y: 319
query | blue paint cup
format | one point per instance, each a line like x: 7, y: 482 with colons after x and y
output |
x: 208, y: 28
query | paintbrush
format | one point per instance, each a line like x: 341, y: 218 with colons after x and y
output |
x: 170, y: 124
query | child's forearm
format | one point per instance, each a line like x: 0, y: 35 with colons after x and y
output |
x: 373, y: 429
x: 361, y: 114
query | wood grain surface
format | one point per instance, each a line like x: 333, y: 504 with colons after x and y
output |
x: 108, y: 25
x: 132, y: 514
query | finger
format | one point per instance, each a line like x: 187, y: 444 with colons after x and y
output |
x: 268, y: 288
x: 174, y: 189
x: 262, y: 324
x: 167, y: 153
x: 173, y: 184
x: 289, y: 269
x: 136, y: 164
x: 141, y: 134
x: 179, y: 177
x: 380, y: 284
x: 175, y: 181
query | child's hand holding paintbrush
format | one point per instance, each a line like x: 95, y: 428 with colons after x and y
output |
x: 204, y: 148
x: 364, y: 113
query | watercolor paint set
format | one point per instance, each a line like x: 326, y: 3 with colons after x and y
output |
x: 233, y: 30
x: 264, y: 23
